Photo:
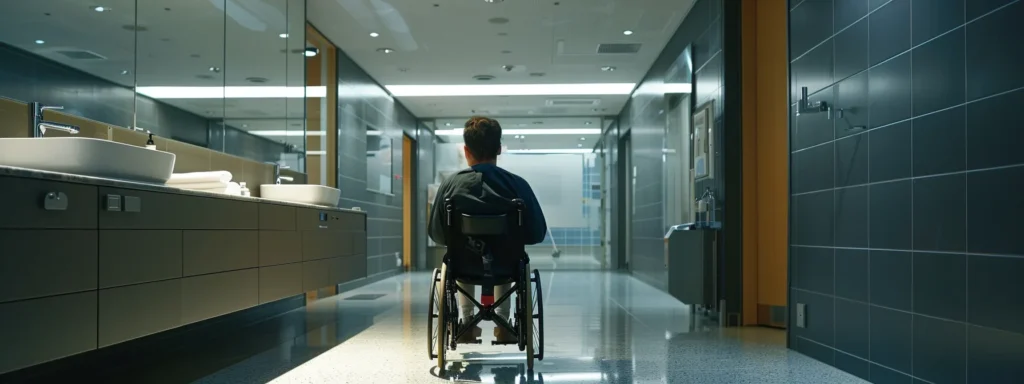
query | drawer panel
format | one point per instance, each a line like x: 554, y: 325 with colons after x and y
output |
x: 132, y: 257
x: 308, y: 219
x: 315, y: 274
x: 324, y: 244
x: 280, y: 247
x: 277, y: 217
x: 134, y: 311
x: 41, y: 330
x: 206, y: 296
x: 23, y: 204
x: 219, y: 251
x: 40, y: 262
x: 280, y: 281
x: 172, y: 211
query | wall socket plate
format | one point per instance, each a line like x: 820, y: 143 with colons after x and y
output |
x: 801, y: 315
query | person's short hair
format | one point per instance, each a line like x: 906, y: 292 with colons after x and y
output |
x: 483, y: 137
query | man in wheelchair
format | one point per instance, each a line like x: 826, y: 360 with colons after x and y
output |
x: 485, y: 189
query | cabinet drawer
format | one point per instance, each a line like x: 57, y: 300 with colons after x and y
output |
x: 140, y: 256
x: 280, y: 247
x: 134, y: 311
x: 219, y: 251
x: 38, y: 262
x: 41, y: 330
x: 324, y: 244
x: 280, y: 281
x: 23, y: 204
x: 277, y: 217
x: 315, y: 274
x: 172, y: 211
x: 206, y: 296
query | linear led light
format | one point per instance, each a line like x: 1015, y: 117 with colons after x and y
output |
x: 287, y: 133
x: 550, y: 151
x: 511, y: 89
x: 543, y: 131
x: 316, y: 153
x: 233, y: 92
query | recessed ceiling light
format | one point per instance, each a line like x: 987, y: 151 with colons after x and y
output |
x: 99, y: 8
x: 579, y: 145
x: 583, y: 139
x: 374, y: 34
x: 627, y: 32
x: 385, y: 50
x: 310, y: 52
x: 447, y: 124
x: 511, y: 89
x: 125, y: 72
x: 283, y: 35
x: 215, y: 69
x: 493, y: 1
x: 245, y: 125
x: 40, y: 42
x: 607, y: 68
x: 587, y: 123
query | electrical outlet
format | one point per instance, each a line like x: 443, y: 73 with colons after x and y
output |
x: 801, y: 315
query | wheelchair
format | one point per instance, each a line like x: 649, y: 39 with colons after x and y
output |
x: 484, y: 250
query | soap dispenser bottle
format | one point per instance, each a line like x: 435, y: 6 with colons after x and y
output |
x: 149, y: 143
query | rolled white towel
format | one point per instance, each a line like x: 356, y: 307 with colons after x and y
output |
x: 202, y: 186
x: 200, y: 177
x: 229, y: 189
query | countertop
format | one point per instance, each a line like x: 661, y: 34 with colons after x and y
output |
x: 99, y: 181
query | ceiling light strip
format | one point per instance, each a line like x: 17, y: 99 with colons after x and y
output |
x: 550, y: 151
x: 233, y: 92
x: 511, y: 89
x: 295, y: 133
x: 539, y: 131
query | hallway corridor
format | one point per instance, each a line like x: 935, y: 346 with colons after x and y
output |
x: 599, y: 327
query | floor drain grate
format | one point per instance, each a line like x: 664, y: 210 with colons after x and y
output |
x: 366, y: 296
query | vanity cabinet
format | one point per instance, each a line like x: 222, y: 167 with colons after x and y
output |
x: 84, y: 266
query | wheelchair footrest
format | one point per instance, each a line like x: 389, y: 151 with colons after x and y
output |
x: 493, y: 342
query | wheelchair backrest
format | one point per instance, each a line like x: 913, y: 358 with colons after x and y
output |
x: 484, y: 244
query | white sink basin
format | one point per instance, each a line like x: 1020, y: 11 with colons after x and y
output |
x: 88, y: 157
x: 301, y: 193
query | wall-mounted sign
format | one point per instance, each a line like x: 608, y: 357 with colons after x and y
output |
x: 703, y: 141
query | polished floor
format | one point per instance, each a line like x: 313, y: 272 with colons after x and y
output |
x: 600, y: 327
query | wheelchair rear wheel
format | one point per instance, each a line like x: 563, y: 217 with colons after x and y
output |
x: 442, y: 328
x: 537, y: 299
x: 527, y: 317
x: 434, y: 313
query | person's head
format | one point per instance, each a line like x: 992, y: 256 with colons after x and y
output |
x: 482, y: 136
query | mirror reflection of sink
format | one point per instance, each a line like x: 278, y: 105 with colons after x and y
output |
x: 88, y: 157
x: 301, y: 193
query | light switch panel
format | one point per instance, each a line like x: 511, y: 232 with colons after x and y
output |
x: 113, y: 203
x: 801, y: 315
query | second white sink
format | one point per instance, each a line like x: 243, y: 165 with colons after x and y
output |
x: 88, y: 157
x: 301, y: 193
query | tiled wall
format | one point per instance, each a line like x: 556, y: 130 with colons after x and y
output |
x: 644, y: 118
x: 906, y: 241
x: 361, y: 103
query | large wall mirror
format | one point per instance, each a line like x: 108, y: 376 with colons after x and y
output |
x: 677, y: 173
x: 379, y: 155
x: 217, y: 75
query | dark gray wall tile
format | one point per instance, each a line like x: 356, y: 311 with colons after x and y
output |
x: 994, y: 132
x: 935, y: 17
x: 978, y: 8
x: 813, y: 128
x: 940, y: 285
x: 812, y: 169
x: 890, y: 30
x: 820, y: 311
x: 810, y: 24
x: 851, y: 48
x: 814, y: 219
x: 995, y: 211
x: 939, y: 222
x: 939, y: 142
x: 883, y: 375
x: 994, y: 62
x: 890, y: 276
x: 938, y: 73
x: 890, y: 215
x: 852, y: 155
x: 890, y: 152
x: 889, y: 89
x: 852, y: 274
x: 852, y: 217
x: 816, y: 351
x: 940, y: 350
x: 994, y: 292
x: 816, y: 266
x: 853, y: 365
x: 891, y: 339
x: 993, y: 355
x: 813, y: 70
x: 852, y: 100
x: 852, y: 327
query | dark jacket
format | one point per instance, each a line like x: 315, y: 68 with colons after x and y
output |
x: 487, y: 189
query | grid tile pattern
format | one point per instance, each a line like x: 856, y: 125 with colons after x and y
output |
x: 905, y: 241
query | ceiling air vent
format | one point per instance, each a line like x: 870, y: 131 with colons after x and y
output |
x: 82, y: 55
x: 572, y: 102
x: 615, y: 48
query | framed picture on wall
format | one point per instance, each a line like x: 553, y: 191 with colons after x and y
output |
x: 703, y: 141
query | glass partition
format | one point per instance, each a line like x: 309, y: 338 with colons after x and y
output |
x: 71, y: 54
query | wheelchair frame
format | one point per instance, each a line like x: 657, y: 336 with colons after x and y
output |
x: 527, y: 325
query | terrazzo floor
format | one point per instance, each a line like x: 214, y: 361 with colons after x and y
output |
x: 600, y: 327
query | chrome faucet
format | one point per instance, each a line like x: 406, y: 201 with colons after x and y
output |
x: 708, y: 198
x: 39, y: 126
x: 806, y: 107
x: 277, y: 173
